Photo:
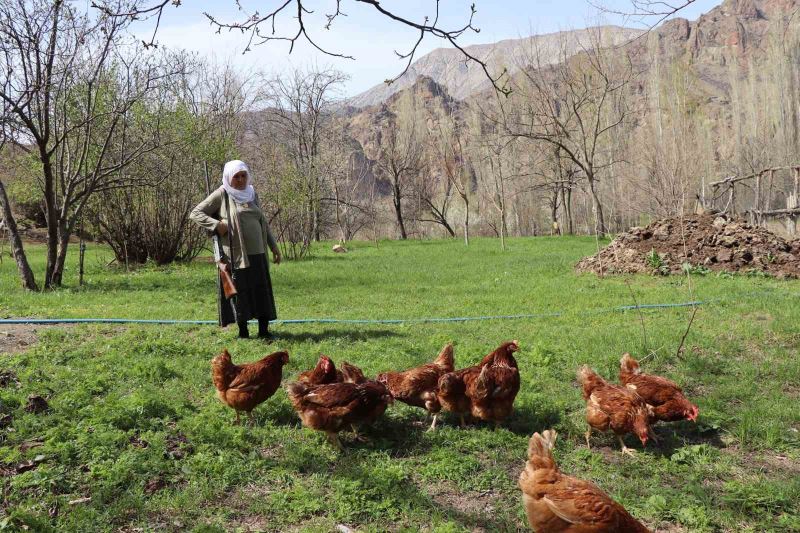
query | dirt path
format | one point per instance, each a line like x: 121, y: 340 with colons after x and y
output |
x: 17, y: 337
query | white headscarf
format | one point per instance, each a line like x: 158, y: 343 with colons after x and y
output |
x: 242, y: 196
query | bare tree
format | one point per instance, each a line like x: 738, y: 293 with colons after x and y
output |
x: 299, y: 105
x: 498, y: 166
x: 348, y: 171
x: 401, y: 160
x: 434, y: 195
x: 575, y: 105
x: 556, y: 179
x: 449, y: 149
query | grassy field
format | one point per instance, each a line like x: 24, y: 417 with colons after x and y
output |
x: 134, y: 424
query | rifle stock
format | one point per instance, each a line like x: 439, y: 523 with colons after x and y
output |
x: 228, y: 287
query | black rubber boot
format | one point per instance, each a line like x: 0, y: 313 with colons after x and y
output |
x: 263, y: 329
x: 243, y: 332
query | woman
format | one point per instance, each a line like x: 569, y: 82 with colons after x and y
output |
x: 233, y: 212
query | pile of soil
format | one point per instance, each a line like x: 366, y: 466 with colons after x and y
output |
x: 714, y: 242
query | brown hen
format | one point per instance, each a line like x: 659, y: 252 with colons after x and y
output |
x: 665, y: 397
x: 243, y: 387
x: 334, y: 406
x: 457, y: 389
x: 324, y: 372
x: 418, y: 386
x: 352, y: 374
x: 556, y: 503
x: 612, y: 407
x: 492, y: 394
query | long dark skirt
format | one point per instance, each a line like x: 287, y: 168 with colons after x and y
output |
x: 255, y: 299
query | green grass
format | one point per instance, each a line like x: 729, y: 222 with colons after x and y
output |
x: 134, y: 423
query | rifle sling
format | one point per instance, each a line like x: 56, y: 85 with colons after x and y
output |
x: 230, y: 228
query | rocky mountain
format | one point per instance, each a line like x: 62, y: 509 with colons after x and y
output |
x: 446, y: 66
x: 727, y: 83
x: 431, y: 102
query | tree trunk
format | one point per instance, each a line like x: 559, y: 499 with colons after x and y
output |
x: 61, y: 257
x: 447, y: 226
x: 567, y: 196
x: 503, y: 228
x: 398, y: 208
x: 25, y: 272
x: 598, y: 209
x: 466, y: 222
x: 51, y: 216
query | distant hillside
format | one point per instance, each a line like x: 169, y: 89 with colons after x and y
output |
x: 446, y: 66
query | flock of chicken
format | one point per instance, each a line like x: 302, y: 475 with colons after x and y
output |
x: 330, y: 400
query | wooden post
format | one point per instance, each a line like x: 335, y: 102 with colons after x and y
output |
x: 793, y: 202
x: 82, y: 253
x: 768, y: 205
x: 756, y: 218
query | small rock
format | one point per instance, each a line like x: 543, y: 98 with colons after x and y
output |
x: 725, y: 256
x: 36, y: 404
x: 719, y: 222
x: 339, y: 249
x: 76, y: 501
x: 24, y: 467
x: 661, y: 232
x: 29, y: 444
x: 7, y: 377
x: 154, y: 485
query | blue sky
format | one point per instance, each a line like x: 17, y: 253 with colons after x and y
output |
x: 370, y: 37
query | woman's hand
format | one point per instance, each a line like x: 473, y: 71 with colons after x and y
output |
x: 222, y: 228
x: 276, y: 256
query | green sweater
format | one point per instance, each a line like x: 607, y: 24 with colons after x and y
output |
x: 248, y: 226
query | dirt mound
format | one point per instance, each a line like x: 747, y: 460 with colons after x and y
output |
x: 713, y: 242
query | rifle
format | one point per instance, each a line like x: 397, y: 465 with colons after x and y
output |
x: 223, y: 266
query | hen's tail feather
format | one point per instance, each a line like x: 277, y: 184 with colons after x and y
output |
x: 445, y: 359
x: 297, y: 390
x: 589, y: 380
x: 629, y: 364
x: 219, y: 370
x: 540, y: 449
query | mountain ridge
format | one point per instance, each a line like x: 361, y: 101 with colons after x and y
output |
x: 462, y: 79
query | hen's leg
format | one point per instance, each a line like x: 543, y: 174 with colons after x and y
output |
x: 625, y: 449
x: 236, y: 422
x: 463, y: 422
x: 358, y: 436
x: 333, y: 438
x: 251, y: 418
x: 433, y: 425
x: 652, y: 433
x: 588, y: 434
